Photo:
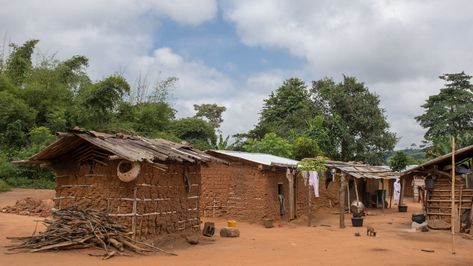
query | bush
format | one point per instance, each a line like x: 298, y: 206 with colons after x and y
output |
x: 24, y: 182
x: 4, y: 186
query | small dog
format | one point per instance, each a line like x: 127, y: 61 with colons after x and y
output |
x: 370, y: 231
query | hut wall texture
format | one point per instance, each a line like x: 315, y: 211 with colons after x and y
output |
x: 242, y: 191
x: 162, y: 204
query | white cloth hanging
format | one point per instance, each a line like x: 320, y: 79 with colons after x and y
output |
x: 397, y: 191
x: 314, y: 182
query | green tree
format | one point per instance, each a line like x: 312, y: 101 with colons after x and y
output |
x: 196, y: 131
x: 450, y: 112
x: 399, y: 161
x: 272, y: 144
x: 362, y: 130
x: 285, y: 111
x: 19, y: 63
x: 103, y: 99
x: 211, y: 112
x: 305, y: 147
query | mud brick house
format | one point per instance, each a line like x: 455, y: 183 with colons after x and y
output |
x: 151, y: 185
x: 252, y: 187
x: 437, y: 174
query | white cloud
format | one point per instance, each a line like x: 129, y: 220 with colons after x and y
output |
x: 111, y: 33
x: 397, y: 47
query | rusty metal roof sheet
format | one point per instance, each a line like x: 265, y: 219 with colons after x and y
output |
x: 359, y: 170
x: 132, y: 148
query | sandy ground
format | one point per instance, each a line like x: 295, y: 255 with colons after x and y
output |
x: 286, y: 244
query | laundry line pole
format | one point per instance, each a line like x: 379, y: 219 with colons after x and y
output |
x: 452, y: 218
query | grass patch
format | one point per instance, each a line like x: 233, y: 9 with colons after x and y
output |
x: 4, y: 187
x: 23, y: 182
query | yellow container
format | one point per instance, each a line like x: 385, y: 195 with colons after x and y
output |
x: 231, y: 223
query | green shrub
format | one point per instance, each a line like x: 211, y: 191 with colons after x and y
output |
x: 4, y: 186
x: 24, y: 182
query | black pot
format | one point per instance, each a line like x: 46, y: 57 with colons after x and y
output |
x: 402, y: 208
x: 418, y: 217
x: 357, y: 221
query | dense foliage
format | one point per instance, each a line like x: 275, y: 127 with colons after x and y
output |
x: 340, y: 120
x: 449, y: 113
x: 37, y: 100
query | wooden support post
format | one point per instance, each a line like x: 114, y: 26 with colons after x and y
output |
x: 348, y: 196
x: 356, y: 190
x: 391, y: 193
x: 460, y: 210
x: 471, y: 218
x: 309, y: 203
x: 383, y: 197
x: 341, y: 201
x: 403, y: 187
x: 290, y: 179
x: 377, y: 198
x: 213, y: 208
x: 452, y: 214
x: 133, y: 218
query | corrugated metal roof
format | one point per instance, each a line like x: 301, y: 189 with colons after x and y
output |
x: 132, y: 148
x: 359, y: 170
x: 260, y: 158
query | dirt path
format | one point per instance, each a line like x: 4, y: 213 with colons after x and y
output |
x: 288, y: 244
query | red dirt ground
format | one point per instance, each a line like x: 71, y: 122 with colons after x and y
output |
x: 288, y: 244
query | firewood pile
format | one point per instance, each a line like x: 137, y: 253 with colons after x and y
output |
x: 74, y: 228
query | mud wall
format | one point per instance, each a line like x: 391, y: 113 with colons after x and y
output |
x: 162, y: 204
x: 242, y: 191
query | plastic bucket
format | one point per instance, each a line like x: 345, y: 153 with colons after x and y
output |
x: 357, y: 221
x: 232, y: 223
x: 418, y: 217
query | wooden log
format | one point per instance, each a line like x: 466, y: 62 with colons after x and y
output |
x: 116, y: 244
x: 63, y: 244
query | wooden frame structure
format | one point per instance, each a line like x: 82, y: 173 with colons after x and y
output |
x: 441, y: 187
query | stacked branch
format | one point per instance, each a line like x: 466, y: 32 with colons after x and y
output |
x: 74, y: 228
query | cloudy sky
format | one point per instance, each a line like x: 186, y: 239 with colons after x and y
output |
x: 235, y: 53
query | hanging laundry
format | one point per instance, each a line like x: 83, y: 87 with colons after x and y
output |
x: 328, y: 177
x: 397, y: 191
x: 314, y: 182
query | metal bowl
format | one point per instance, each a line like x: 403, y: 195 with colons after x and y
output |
x: 357, y: 207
